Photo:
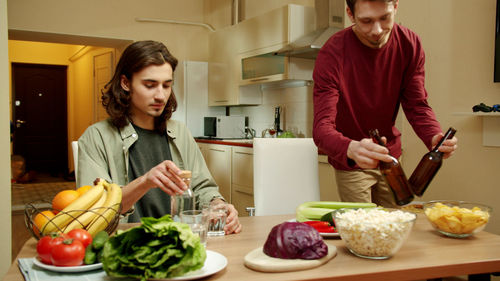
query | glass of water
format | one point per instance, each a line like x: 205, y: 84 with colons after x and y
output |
x: 217, y: 215
x: 198, y: 222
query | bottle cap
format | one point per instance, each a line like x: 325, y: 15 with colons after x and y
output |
x: 185, y: 174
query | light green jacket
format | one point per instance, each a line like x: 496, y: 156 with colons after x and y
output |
x: 103, y: 152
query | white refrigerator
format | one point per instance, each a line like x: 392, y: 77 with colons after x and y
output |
x: 191, y: 91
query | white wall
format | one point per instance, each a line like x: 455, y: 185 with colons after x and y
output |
x: 116, y: 19
x: 458, y: 37
x: 297, y: 111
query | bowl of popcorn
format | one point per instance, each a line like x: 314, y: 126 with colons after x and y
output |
x: 458, y: 219
x: 374, y: 233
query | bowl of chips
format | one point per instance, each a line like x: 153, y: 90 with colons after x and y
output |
x: 458, y: 219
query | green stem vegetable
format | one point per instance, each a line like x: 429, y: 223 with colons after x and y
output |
x: 314, y: 210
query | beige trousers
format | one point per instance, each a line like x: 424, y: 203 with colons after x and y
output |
x: 366, y: 185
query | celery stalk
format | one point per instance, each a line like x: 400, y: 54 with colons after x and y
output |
x: 314, y: 210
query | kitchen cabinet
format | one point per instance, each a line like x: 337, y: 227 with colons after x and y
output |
x: 232, y: 169
x: 218, y: 159
x: 266, y: 34
x: 242, y: 179
x: 262, y: 34
x: 275, y: 28
x: 327, y: 183
x: 203, y: 148
x: 223, y: 88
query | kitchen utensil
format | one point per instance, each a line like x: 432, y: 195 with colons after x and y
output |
x: 257, y: 260
x: 277, y: 120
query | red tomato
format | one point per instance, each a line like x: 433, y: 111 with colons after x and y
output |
x: 69, y: 253
x: 45, y: 245
x: 82, y: 235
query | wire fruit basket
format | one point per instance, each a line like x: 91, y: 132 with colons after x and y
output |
x: 31, y: 210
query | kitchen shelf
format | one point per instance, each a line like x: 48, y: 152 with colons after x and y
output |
x: 489, y: 114
x: 491, y: 126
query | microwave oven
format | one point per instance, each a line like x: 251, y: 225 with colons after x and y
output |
x: 224, y: 127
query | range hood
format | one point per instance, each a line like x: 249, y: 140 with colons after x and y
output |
x: 329, y: 20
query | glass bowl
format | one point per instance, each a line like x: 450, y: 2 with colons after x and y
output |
x: 374, y: 233
x: 457, y: 219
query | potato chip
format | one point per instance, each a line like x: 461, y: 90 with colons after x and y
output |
x: 455, y: 219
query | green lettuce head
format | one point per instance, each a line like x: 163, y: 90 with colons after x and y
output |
x: 159, y: 248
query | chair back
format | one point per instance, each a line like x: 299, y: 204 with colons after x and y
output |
x: 74, y: 146
x: 285, y: 174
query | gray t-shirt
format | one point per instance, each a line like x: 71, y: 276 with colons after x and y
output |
x: 150, y: 149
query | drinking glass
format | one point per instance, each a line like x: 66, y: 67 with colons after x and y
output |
x: 217, y: 215
x: 198, y: 222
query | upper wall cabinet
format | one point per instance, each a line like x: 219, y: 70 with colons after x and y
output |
x: 222, y: 87
x: 252, y: 37
x: 275, y: 28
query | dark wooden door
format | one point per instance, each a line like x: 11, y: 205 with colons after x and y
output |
x: 40, y: 116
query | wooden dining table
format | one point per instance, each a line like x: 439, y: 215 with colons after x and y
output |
x: 426, y: 254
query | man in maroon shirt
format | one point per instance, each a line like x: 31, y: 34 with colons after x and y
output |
x: 362, y: 75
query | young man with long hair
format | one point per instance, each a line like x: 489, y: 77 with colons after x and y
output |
x: 139, y: 147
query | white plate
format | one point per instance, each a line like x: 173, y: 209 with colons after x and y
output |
x: 79, y: 268
x: 326, y: 234
x: 214, y: 263
x: 323, y: 234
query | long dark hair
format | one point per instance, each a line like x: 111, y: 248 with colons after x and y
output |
x: 136, y: 57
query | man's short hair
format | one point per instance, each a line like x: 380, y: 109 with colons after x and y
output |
x: 352, y: 3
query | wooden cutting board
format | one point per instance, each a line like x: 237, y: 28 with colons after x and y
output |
x: 259, y: 261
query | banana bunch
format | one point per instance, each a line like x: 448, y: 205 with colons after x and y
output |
x: 93, y: 210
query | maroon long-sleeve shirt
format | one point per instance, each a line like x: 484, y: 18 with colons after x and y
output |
x: 357, y: 88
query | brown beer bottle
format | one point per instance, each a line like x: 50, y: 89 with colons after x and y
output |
x: 394, y: 175
x: 428, y: 166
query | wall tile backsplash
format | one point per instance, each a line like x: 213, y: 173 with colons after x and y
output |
x: 296, y: 116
